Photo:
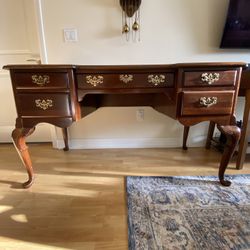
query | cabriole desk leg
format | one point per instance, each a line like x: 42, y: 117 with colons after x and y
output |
x: 210, y: 134
x: 232, y: 134
x: 18, y: 136
x: 185, y: 136
x: 65, y: 139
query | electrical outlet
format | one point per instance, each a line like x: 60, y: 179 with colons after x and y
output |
x: 217, y: 134
x: 140, y: 115
x: 70, y: 35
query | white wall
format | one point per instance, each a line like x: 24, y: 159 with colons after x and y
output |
x: 173, y: 31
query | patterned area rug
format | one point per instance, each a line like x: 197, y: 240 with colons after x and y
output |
x: 188, y: 213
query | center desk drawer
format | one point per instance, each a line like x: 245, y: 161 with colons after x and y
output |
x: 207, y: 103
x: 128, y: 80
x: 56, y: 104
x: 210, y: 78
x: 41, y: 79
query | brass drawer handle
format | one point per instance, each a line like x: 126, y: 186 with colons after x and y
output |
x: 44, y: 104
x: 94, y: 80
x: 40, y: 80
x: 210, y: 78
x: 208, y: 101
x: 126, y: 78
x: 156, y: 79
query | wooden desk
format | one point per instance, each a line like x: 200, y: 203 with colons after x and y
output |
x: 63, y: 94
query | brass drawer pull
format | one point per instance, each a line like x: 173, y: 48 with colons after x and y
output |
x: 40, y: 80
x: 156, y: 79
x: 208, y: 101
x: 210, y: 78
x: 44, y: 104
x: 94, y: 80
x: 126, y: 78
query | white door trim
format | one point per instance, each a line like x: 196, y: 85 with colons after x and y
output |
x: 40, y: 30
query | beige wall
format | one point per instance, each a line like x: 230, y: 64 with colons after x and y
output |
x: 172, y: 31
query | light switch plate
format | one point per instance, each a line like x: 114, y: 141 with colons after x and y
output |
x: 70, y: 35
x: 140, y: 115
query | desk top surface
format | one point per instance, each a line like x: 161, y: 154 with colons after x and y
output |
x: 121, y: 67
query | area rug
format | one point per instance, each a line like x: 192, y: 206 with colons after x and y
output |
x: 188, y: 213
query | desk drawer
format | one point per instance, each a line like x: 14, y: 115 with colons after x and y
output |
x: 209, y: 78
x: 207, y: 103
x: 129, y: 80
x: 41, y: 79
x: 42, y: 105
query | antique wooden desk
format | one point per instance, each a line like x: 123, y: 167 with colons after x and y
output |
x: 63, y: 94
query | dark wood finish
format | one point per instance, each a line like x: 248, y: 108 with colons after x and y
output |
x: 76, y: 91
x: 124, y: 81
x: 245, y: 81
x: 210, y: 134
x: 44, y: 93
x: 28, y: 105
x: 35, y: 80
x: 185, y: 136
x: 52, y: 99
x: 194, y: 79
x: 191, y: 103
x: 244, y: 90
x: 232, y: 134
x: 65, y: 139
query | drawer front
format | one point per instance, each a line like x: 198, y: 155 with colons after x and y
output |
x: 210, y: 78
x: 207, y: 103
x: 56, y: 104
x: 129, y: 80
x: 41, y: 79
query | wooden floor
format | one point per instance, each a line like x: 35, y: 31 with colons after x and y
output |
x: 78, y: 200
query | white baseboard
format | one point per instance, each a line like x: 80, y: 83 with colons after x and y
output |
x: 42, y: 134
x: 4, y: 74
x: 199, y: 141
x: 5, y: 134
x: 248, y: 150
x: 127, y: 143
